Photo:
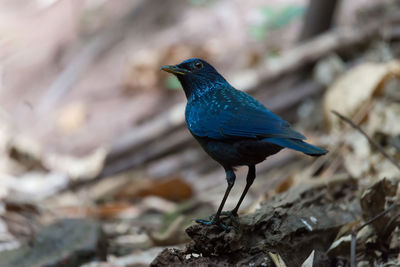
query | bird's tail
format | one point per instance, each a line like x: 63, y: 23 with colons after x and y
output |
x: 298, y: 145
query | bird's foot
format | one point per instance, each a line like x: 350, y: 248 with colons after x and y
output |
x: 230, y: 215
x: 213, y: 221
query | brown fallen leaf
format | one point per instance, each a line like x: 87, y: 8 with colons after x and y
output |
x: 285, y: 185
x: 355, y: 88
x: 374, y: 200
x: 105, y: 211
x: 112, y: 210
x: 175, y: 189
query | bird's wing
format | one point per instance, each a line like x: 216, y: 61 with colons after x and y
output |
x: 235, y: 115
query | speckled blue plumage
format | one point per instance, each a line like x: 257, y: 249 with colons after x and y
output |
x: 232, y: 127
x: 218, y: 115
x: 225, y: 113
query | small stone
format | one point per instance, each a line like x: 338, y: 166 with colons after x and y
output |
x: 68, y: 242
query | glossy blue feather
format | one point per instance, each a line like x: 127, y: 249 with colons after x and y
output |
x: 298, y: 145
x: 231, y: 113
x: 231, y: 126
x: 217, y: 111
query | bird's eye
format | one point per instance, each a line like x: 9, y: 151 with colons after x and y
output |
x: 198, y: 65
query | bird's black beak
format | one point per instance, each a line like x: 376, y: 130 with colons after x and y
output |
x: 174, y: 70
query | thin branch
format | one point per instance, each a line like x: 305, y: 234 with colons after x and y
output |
x: 370, y: 140
x: 353, y: 235
x: 386, y: 155
x: 353, y: 245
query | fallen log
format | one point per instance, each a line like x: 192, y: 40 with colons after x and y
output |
x: 291, y: 225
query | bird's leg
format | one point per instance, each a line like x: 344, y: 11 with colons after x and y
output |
x: 230, y: 178
x: 251, y: 175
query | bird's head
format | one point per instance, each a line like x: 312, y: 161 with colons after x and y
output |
x: 196, y: 76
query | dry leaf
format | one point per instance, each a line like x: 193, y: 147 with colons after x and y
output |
x: 309, y: 261
x: 85, y: 167
x: 384, y: 118
x: 357, y: 162
x: 277, y: 259
x: 374, y: 201
x: 105, y: 211
x: 175, y: 189
x: 340, y: 247
x: 383, y: 167
x: 355, y: 88
x: 285, y: 185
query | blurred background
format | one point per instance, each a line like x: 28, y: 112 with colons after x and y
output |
x: 91, y: 129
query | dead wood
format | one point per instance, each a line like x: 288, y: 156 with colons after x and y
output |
x: 291, y: 225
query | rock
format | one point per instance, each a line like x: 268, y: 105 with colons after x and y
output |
x: 68, y: 242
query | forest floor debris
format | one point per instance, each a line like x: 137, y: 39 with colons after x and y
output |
x: 337, y: 208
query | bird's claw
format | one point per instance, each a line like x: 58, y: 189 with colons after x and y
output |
x: 232, y: 215
x: 212, y: 221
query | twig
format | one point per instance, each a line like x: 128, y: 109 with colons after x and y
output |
x: 353, y: 235
x: 353, y: 250
x: 370, y: 140
x: 386, y: 155
x: 335, y: 153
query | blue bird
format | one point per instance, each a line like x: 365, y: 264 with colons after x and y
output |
x: 231, y: 126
